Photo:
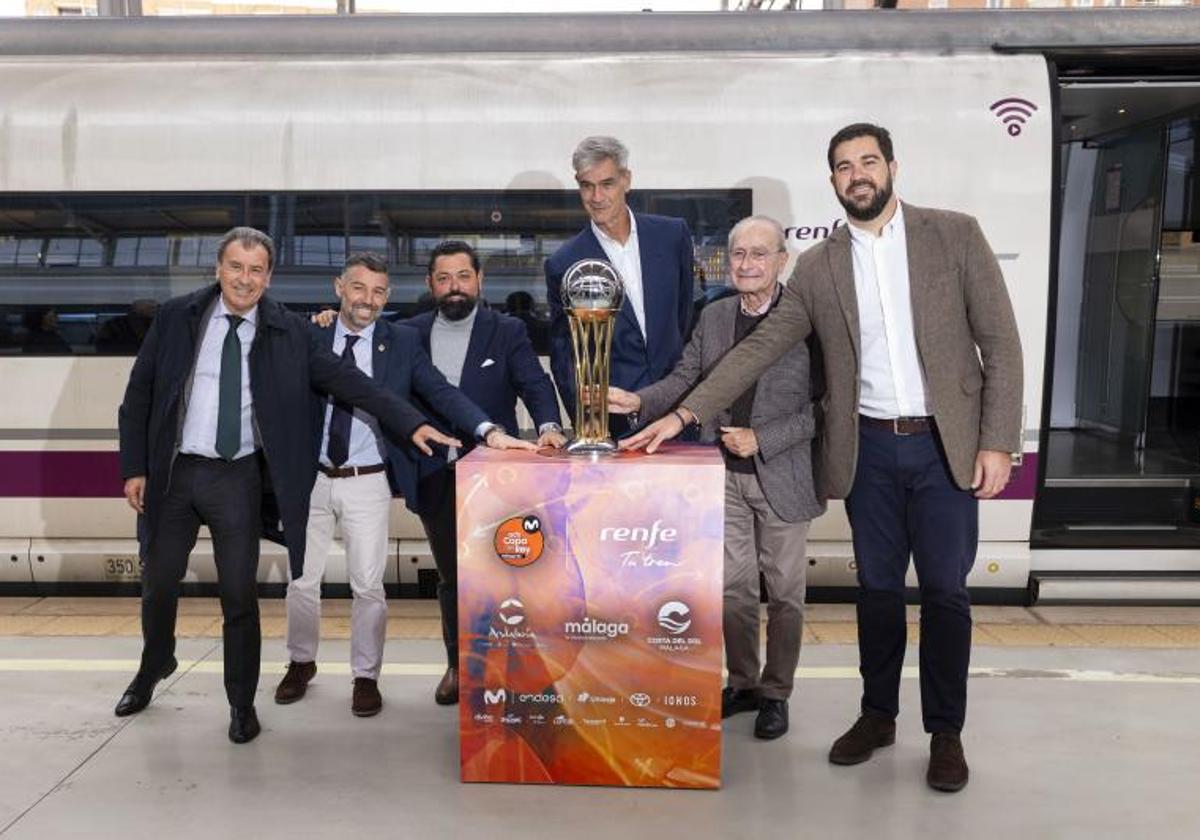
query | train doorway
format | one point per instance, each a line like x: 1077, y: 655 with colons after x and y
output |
x: 1120, y: 444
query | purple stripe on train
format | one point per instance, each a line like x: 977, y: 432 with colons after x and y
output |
x: 60, y: 475
x: 74, y: 475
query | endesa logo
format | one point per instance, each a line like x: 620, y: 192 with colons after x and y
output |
x: 645, y: 546
x: 519, y: 540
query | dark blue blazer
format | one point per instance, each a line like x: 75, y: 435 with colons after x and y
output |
x: 402, y: 365
x: 500, y: 367
x: 665, y: 245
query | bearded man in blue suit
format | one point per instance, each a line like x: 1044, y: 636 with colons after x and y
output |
x: 652, y: 254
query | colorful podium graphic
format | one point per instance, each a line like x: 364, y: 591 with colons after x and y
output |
x: 589, y: 609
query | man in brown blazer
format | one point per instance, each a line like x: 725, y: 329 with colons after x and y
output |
x: 766, y: 438
x: 921, y: 414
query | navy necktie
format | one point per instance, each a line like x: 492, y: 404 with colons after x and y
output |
x: 229, y: 393
x: 338, y: 448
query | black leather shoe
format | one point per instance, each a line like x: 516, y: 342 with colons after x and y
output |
x: 366, y: 699
x: 737, y: 700
x: 947, y: 765
x: 243, y: 724
x: 446, y: 693
x: 772, y: 720
x: 295, y: 682
x: 869, y: 733
x: 137, y: 696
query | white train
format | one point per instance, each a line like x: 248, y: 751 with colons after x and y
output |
x: 127, y: 147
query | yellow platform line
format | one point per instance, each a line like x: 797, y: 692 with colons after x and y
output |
x: 425, y: 669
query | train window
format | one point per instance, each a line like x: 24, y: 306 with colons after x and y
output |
x: 82, y: 273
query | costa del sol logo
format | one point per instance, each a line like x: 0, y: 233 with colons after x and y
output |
x: 674, y: 617
x: 519, y: 540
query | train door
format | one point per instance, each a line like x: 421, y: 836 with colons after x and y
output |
x: 1121, y: 448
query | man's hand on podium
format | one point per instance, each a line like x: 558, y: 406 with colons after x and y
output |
x: 497, y: 438
x: 553, y: 438
x: 426, y: 433
x: 660, y: 431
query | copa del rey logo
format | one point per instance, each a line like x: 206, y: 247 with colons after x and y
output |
x: 652, y: 546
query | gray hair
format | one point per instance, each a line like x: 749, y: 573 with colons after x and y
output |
x: 370, y: 260
x: 247, y: 237
x: 776, y: 228
x: 592, y: 150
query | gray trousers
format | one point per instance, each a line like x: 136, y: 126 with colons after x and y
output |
x: 757, y: 540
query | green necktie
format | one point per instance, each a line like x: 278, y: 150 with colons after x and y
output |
x: 229, y: 407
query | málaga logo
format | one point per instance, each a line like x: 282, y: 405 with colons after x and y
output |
x: 519, y: 540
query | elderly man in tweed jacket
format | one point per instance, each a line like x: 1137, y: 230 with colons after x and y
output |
x: 766, y: 437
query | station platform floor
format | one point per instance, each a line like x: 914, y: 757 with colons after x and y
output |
x: 1083, y: 723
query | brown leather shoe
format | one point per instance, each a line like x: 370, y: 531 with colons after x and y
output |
x: 869, y: 733
x: 367, y: 700
x: 295, y: 682
x: 446, y: 693
x: 947, y: 765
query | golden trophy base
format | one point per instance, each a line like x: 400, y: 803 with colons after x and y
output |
x: 592, y: 447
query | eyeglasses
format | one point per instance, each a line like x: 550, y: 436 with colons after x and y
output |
x: 754, y: 254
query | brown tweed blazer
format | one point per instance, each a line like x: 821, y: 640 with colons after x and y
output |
x: 966, y: 336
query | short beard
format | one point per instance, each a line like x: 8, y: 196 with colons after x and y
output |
x: 456, y: 308
x: 868, y: 212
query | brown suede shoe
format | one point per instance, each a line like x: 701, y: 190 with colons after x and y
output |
x: 947, y: 765
x: 295, y: 682
x: 367, y: 700
x: 446, y: 693
x: 869, y: 733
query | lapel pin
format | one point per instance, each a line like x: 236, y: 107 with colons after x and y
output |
x: 382, y: 348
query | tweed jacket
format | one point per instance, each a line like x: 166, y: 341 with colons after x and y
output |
x: 966, y: 335
x: 781, y: 416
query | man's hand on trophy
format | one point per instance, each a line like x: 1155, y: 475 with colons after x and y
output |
x: 426, y: 434
x: 621, y: 401
x: 739, y: 440
x: 325, y: 317
x: 551, y: 437
x: 497, y: 438
x: 660, y: 431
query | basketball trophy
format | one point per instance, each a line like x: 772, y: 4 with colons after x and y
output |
x: 591, y: 294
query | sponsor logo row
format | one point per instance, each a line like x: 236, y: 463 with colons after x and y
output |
x: 510, y: 627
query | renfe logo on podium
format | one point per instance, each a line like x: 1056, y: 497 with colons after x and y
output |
x: 590, y: 618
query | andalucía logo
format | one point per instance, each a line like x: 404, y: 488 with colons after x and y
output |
x: 519, y: 540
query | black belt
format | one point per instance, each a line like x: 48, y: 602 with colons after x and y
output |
x: 349, y: 472
x: 900, y: 425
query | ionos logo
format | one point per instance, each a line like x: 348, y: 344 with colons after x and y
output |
x: 511, y: 612
x: 592, y: 629
x: 678, y: 700
x: 674, y: 617
x: 519, y: 540
x: 650, y: 538
x: 494, y: 697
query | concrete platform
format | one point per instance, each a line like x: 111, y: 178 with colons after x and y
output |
x: 1095, y: 742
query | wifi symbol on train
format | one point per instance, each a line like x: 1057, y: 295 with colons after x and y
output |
x: 1014, y: 112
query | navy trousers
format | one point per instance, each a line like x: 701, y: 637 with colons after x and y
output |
x: 904, y: 502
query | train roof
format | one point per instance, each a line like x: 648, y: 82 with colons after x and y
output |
x: 1142, y: 37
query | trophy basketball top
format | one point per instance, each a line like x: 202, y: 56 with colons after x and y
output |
x: 592, y: 287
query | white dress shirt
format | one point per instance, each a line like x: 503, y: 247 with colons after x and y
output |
x: 627, y: 260
x: 200, y: 421
x: 365, y: 449
x: 892, y: 383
